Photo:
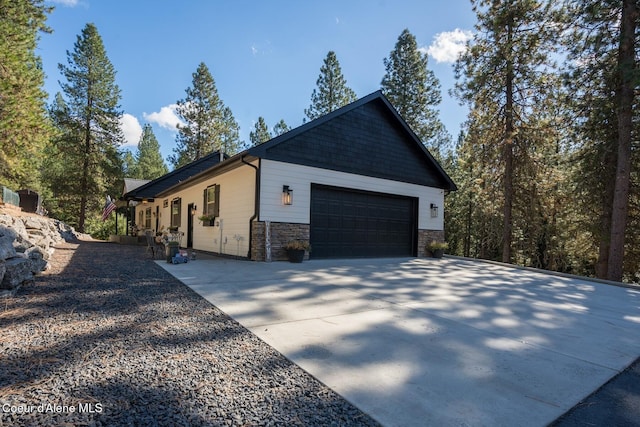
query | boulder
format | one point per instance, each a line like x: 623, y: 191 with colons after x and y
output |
x: 6, y: 219
x: 3, y: 270
x: 42, y: 240
x: 31, y: 222
x: 6, y: 247
x: 38, y: 258
x: 26, y: 245
x: 21, y: 244
x: 18, y: 271
x: 8, y: 230
x: 66, y: 232
x: 37, y: 232
x: 19, y: 227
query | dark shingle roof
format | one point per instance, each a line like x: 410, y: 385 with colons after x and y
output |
x: 151, y: 189
x: 366, y: 137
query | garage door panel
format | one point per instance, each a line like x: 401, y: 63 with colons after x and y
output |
x: 351, y: 223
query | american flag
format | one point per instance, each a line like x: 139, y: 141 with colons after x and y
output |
x: 109, y: 206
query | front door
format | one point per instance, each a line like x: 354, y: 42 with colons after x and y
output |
x: 190, y: 211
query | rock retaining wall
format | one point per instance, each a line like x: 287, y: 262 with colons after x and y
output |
x: 26, y: 244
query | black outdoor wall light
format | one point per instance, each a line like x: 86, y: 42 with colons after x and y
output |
x: 287, y: 195
x: 434, y: 210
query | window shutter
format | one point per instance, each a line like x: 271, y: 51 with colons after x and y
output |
x: 217, y: 204
x: 204, y: 202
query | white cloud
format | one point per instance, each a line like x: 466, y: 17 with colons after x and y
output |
x: 131, y: 129
x: 69, y: 3
x: 165, y: 118
x: 261, y: 48
x: 447, y: 46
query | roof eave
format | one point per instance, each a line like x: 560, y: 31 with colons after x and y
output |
x: 134, y: 194
x: 230, y: 163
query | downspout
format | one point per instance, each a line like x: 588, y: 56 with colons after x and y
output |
x: 256, y: 209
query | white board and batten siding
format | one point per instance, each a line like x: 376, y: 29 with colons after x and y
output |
x: 276, y: 174
x: 237, y: 199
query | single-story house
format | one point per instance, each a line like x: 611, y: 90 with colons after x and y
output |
x: 354, y: 183
x: 139, y: 195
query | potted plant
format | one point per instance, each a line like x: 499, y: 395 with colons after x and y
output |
x: 296, y: 249
x: 437, y: 248
x: 207, y: 220
x: 171, y: 249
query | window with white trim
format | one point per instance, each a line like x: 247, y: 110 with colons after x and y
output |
x: 147, y: 218
x: 212, y: 201
x: 176, y: 208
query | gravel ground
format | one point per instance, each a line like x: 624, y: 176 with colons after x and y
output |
x: 106, y: 337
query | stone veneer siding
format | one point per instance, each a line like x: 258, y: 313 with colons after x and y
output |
x: 426, y: 236
x: 281, y: 233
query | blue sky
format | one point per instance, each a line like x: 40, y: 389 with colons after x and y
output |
x: 265, y: 56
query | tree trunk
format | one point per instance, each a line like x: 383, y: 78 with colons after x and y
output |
x: 624, y: 100
x: 84, y: 188
x: 507, y: 228
x: 552, y: 258
x: 84, y: 180
x: 467, y: 236
x: 482, y: 250
x: 602, y: 264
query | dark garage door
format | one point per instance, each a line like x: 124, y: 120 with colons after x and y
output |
x: 353, y: 224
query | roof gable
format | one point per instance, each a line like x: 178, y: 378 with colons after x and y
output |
x: 131, y: 184
x: 367, y: 137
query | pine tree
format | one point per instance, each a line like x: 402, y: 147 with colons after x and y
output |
x: 149, y: 163
x: 603, y: 74
x: 414, y: 90
x: 260, y: 132
x: 61, y: 179
x: 129, y: 165
x: 209, y: 124
x: 473, y: 218
x: 332, y: 91
x: 506, y: 67
x: 280, y: 128
x: 24, y: 129
x: 628, y: 80
x: 90, y: 123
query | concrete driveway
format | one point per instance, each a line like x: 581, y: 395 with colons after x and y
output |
x: 433, y: 342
